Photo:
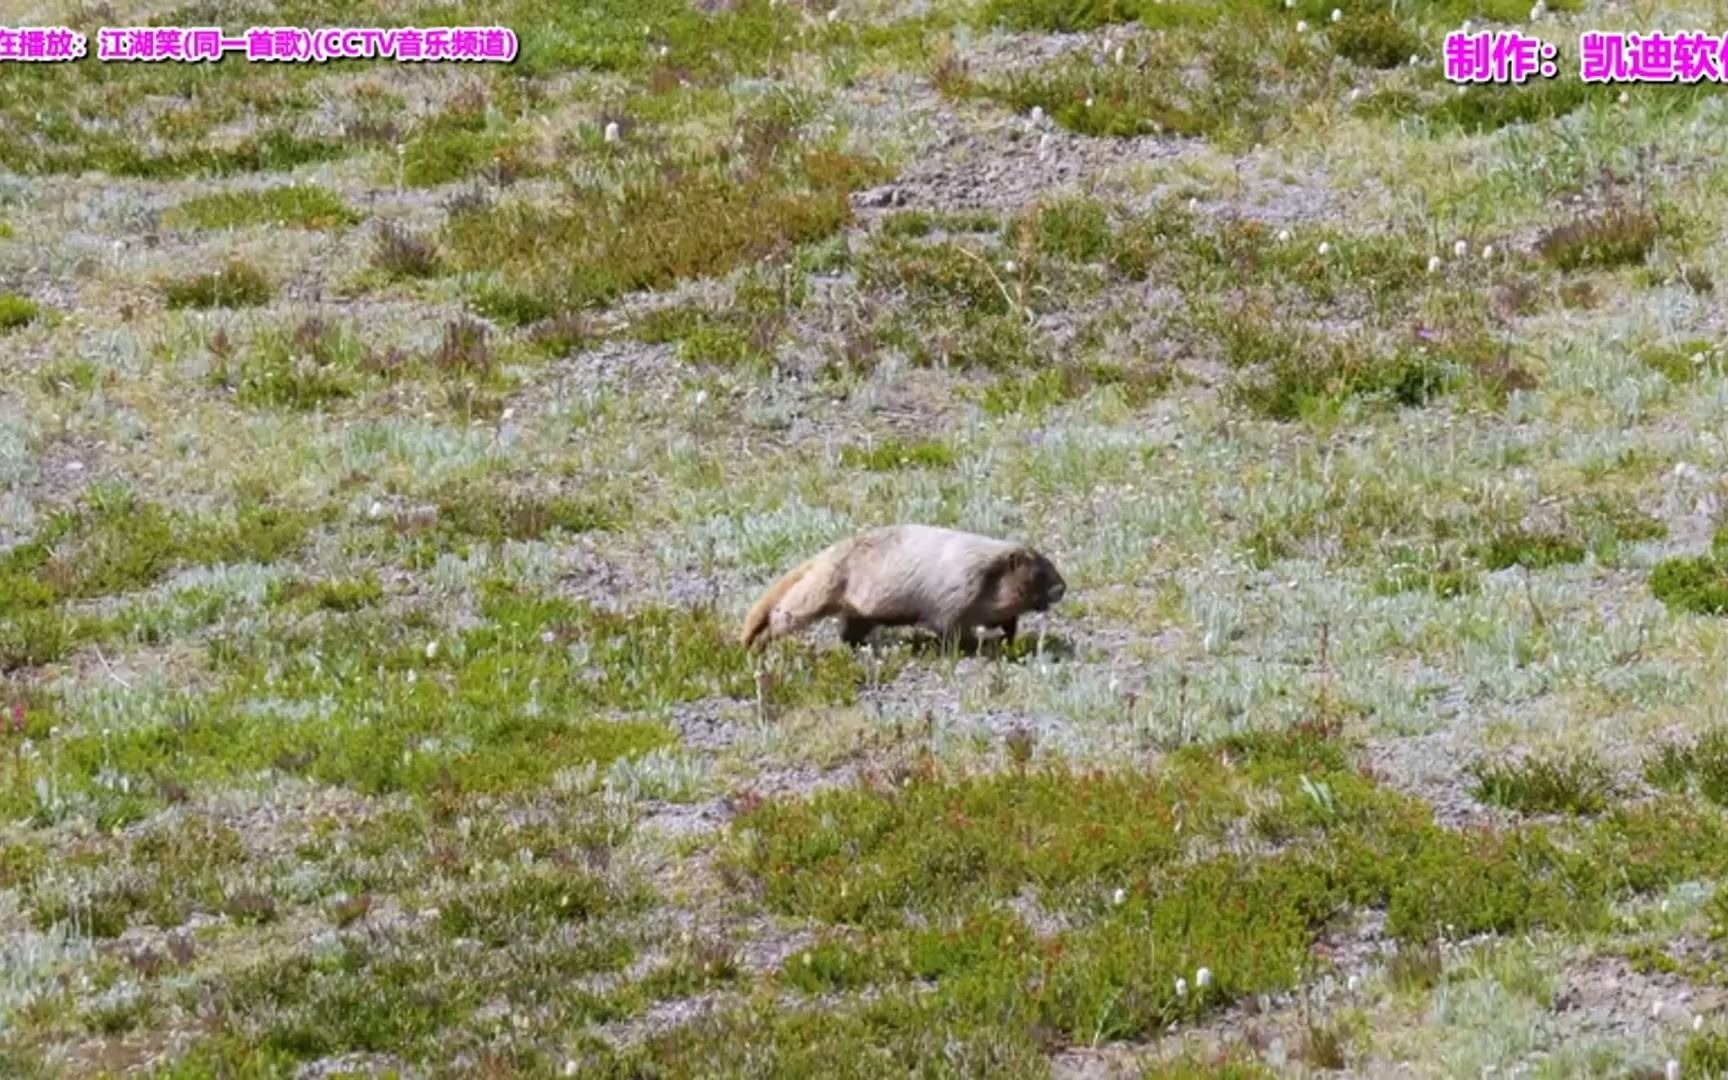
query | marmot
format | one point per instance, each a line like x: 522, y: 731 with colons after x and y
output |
x: 903, y: 575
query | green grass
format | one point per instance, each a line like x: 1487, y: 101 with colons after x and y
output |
x: 890, y: 455
x: 1256, y: 73
x: 236, y: 285
x: 400, y: 253
x: 1701, y: 764
x: 299, y: 206
x: 1569, y: 784
x: 1683, y: 363
x: 909, y: 864
x: 1618, y: 236
x: 508, y: 703
x: 1696, y: 584
x: 593, y: 247
x: 1535, y: 550
x: 17, y: 311
x: 113, y: 542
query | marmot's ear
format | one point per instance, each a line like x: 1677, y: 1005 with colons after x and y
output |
x: 1018, y: 559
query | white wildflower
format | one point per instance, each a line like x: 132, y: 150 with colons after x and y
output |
x: 1433, y: 263
x: 1301, y: 26
x: 1181, y: 987
x: 1460, y: 249
x: 1337, y: 15
x: 1325, y: 249
x: 1203, y: 978
x: 611, y: 131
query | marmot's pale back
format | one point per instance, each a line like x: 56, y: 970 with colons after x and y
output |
x: 947, y: 581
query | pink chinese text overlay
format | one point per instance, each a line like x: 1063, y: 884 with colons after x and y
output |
x: 494, y: 44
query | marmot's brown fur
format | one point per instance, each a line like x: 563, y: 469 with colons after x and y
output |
x: 903, y: 575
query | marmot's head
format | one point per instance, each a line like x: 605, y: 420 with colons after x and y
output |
x: 1030, y: 581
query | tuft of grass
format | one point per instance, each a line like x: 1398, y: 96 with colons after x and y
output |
x: 563, y: 335
x: 1575, y: 783
x: 1374, y: 37
x: 1534, y: 550
x: 1701, y: 764
x: 491, y: 513
x: 529, y: 903
x: 1067, y: 17
x: 465, y: 350
x: 593, y: 247
x: 301, y: 206
x: 1705, y: 1054
x: 345, y: 595
x: 1224, y: 1063
x: 1606, y: 240
x: 114, y: 542
x: 400, y: 253
x: 1253, y: 71
x: 238, y: 284
x: 919, y: 223
x: 310, y: 367
x: 1683, y: 363
x: 746, y: 331
x: 1486, y: 108
x: 17, y: 311
x: 1036, y: 392
x: 1417, y: 968
x: 1697, y: 584
x: 444, y: 155
x: 1292, y: 372
x: 889, y: 455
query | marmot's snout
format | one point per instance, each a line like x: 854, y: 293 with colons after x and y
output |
x: 1051, y: 587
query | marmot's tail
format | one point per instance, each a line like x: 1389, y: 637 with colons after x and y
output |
x: 756, y: 623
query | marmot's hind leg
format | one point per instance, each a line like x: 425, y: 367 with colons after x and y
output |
x: 855, y: 628
x: 813, y: 598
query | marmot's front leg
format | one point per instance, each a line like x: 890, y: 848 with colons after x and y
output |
x: 855, y: 628
x: 1009, y: 629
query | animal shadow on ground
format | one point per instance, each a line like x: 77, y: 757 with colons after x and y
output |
x: 924, y: 643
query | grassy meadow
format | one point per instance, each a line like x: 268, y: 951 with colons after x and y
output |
x: 388, y: 453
